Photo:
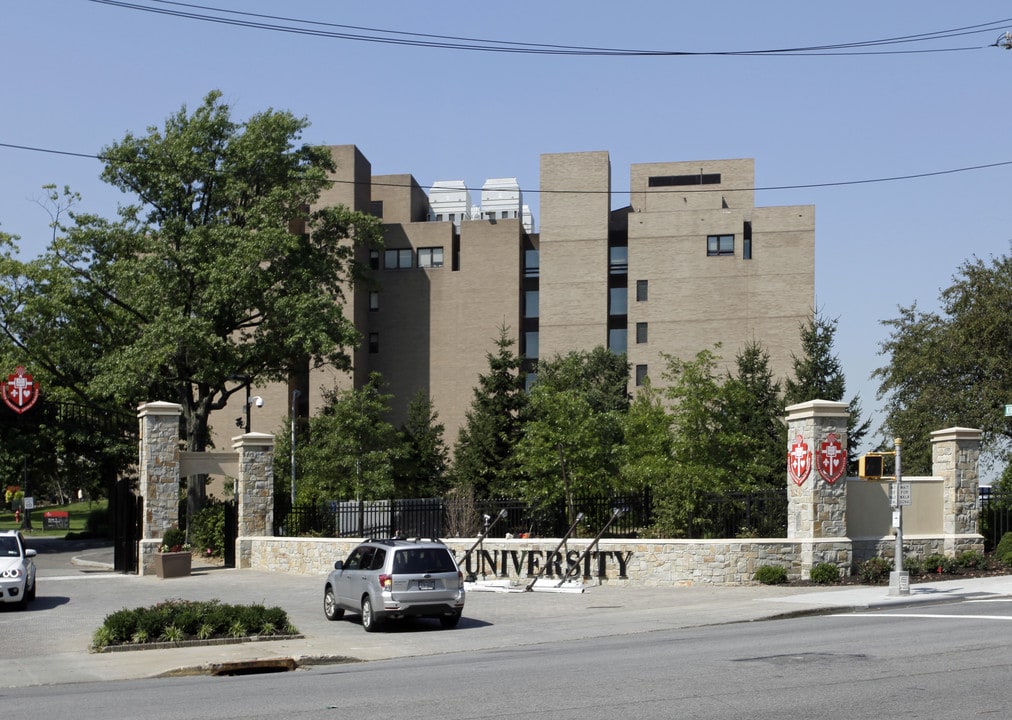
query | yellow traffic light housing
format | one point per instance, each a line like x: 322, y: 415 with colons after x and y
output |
x: 870, y: 466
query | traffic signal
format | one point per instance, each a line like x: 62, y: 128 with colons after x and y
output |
x: 870, y: 466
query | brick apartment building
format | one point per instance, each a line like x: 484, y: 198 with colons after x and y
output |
x: 689, y: 261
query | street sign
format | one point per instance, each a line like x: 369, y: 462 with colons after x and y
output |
x: 905, y: 499
x: 1008, y: 411
x: 29, y: 503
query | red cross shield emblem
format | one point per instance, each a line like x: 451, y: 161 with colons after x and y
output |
x: 831, y: 459
x: 799, y: 460
x: 20, y: 392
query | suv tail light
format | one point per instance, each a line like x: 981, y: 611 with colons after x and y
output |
x: 386, y: 581
x: 460, y: 578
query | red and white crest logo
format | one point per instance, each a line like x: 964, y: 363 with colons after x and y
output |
x: 799, y: 460
x: 20, y: 392
x: 831, y: 458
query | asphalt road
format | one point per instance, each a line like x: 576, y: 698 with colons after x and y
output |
x: 853, y: 667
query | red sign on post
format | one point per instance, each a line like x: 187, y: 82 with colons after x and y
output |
x: 799, y: 460
x: 20, y: 391
x: 831, y: 458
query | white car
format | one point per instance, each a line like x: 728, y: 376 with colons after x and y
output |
x: 17, y: 569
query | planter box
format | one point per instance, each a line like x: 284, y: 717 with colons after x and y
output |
x: 172, y: 564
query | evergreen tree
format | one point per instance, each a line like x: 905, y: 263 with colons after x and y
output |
x: 422, y: 472
x: 818, y: 375
x: 483, y: 462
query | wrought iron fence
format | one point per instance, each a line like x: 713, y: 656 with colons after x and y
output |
x: 995, y: 515
x: 760, y: 514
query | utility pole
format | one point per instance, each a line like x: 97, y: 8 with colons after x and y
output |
x: 899, y: 579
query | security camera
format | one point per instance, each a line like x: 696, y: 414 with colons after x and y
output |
x: 257, y: 400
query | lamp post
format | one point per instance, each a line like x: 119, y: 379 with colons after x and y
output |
x: 899, y: 580
x: 295, y: 397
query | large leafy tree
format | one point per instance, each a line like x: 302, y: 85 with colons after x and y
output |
x: 354, y: 449
x: 483, y: 462
x: 205, y: 275
x: 818, y: 375
x: 952, y: 367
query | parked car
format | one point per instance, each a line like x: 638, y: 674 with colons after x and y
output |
x: 17, y: 569
x: 395, y: 578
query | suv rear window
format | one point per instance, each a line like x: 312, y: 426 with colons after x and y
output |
x: 423, y: 560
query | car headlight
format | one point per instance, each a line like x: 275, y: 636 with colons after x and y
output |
x: 12, y: 573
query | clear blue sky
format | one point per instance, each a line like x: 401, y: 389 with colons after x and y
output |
x: 78, y: 75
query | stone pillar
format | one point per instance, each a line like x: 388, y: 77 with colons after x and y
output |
x: 158, y: 457
x: 955, y: 456
x: 254, y: 491
x: 816, y: 487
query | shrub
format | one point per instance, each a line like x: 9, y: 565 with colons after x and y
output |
x: 825, y: 573
x: 178, y: 620
x: 874, y: 570
x: 207, y: 529
x: 173, y: 540
x: 971, y: 559
x: 97, y: 523
x: 937, y: 563
x: 771, y: 575
x: 1004, y: 549
x: 913, y: 565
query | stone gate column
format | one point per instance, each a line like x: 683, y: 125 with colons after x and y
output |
x: 158, y: 457
x: 254, y: 491
x: 955, y: 457
x: 816, y: 491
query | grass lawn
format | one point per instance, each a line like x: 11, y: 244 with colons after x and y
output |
x: 79, y: 512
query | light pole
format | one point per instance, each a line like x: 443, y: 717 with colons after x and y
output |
x: 899, y: 580
x: 295, y: 397
x: 255, y: 400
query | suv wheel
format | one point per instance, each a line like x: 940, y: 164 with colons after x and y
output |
x: 449, y: 621
x: 369, y: 620
x: 330, y: 608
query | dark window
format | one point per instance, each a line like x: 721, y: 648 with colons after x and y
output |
x: 376, y: 208
x: 618, y: 301
x: 397, y: 259
x: 374, y: 260
x: 618, y: 260
x: 374, y: 301
x: 377, y: 559
x: 618, y: 340
x: 531, y: 302
x: 641, y: 374
x: 532, y: 263
x: 374, y: 343
x: 720, y: 244
x: 746, y: 241
x: 672, y: 180
x: 531, y: 345
x: 641, y: 290
x: 641, y: 333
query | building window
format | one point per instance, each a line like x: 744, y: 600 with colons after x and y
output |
x: 374, y: 259
x: 618, y: 340
x: 641, y: 375
x: 675, y: 180
x: 532, y: 263
x: 376, y: 208
x: 618, y: 301
x: 374, y: 301
x: 641, y: 290
x: 430, y: 257
x: 720, y: 245
x: 531, y: 345
x: 531, y: 302
x: 374, y: 343
x: 746, y: 241
x: 618, y: 260
x: 641, y: 333
x: 439, y: 217
x: 397, y: 259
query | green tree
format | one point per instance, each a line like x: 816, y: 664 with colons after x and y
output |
x: 482, y: 460
x: 645, y: 457
x: 818, y: 375
x: 752, y: 430
x: 699, y: 455
x: 205, y: 276
x: 601, y: 376
x: 951, y: 368
x: 353, y: 449
x: 422, y: 473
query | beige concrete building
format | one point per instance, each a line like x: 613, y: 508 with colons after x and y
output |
x: 689, y: 262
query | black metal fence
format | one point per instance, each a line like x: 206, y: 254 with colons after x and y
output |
x: 760, y: 514
x: 995, y: 516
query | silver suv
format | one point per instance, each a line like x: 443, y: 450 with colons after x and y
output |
x: 17, y: 569
x: 395, y: 578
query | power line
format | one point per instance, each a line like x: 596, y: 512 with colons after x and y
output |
x: 359, y: 33
x: 800, y: 186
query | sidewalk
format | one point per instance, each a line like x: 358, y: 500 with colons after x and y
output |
x: 49, y: 642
